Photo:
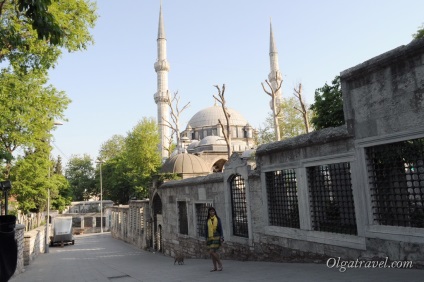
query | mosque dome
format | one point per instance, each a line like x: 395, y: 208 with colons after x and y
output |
x: 210, y: 116
x: 185, y: 164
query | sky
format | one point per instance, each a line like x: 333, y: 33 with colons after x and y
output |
x: 112, y: 83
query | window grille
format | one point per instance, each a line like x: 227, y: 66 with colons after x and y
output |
x: 88, y: 222
x: 239, y: 209
x: 98, y: 221
x: 283, y: 209
x: 76, y: 222
x: 141, y: 220
x: 396, y: 180
x: 331, y: 197
x: 201, y: 216
x: 182, y: 217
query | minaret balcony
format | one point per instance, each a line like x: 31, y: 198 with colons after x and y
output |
x: 162, y: 65
x: 161, y: 97
x: 271, y: 76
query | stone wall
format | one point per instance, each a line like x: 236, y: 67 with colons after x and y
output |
x: 34, y: 244
x: 19, y: 236
x: 385, y: 94
x: 383, y: 104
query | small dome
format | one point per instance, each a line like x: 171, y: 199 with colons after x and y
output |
x: 210, y: 116
x: 193, y: 145
x: 212, y: 140
x: 185, y: 164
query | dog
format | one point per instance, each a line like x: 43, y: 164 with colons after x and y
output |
x: 179, y: 259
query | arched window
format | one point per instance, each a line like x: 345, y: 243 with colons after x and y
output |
x: 239, y: 206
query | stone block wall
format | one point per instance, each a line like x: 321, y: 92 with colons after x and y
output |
x: 385, y: 94
x: 19, y: 236
x: 34, y: 244
x: 383, y: 103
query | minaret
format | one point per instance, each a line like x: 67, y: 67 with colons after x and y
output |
x: 162, y: 96
x: 274, y: 76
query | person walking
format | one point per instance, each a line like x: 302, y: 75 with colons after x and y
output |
x: 214, y: 237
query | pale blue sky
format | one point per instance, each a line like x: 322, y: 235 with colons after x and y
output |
x: 214, y: 42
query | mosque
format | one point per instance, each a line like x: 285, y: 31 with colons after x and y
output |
x: 203, y: 149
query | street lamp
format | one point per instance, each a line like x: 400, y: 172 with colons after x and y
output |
x: 101, y: 196
x: 46, y: 249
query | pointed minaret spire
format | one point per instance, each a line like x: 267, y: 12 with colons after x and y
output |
x: 161, y: 96
x: 161, y: 29
x: 274, y: 76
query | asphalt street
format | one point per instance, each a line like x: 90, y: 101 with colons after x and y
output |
x: 99, y: 257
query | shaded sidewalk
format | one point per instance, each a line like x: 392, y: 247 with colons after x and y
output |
x: 99, y: 257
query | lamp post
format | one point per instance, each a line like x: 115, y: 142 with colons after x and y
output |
x: 46, y: 248
x: 101, y: 196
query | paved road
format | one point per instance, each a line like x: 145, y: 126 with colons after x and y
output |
x: 99, y: 257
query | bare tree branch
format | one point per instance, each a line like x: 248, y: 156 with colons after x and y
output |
x: 175, y: 116
x: 226, y: 131
x: 276, y: 110
x: 298, y: 94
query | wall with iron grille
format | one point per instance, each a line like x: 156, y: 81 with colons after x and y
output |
x: 130, y: 223
x: 355, y: 191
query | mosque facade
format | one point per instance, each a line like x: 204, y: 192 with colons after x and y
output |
x: 203, y: 136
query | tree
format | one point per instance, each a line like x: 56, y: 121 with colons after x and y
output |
x: 142, y: 155
x: 175, y: 116
x: 34, y: 32
x: 226, y: 131
x: 27, y: 113
x: 115, y: 171
x: 303, y: 109
x: 30, y: 179
x: 112, y: 148
x: 37, y: 13
x: 80, y: 174
x: 275, y: 108
x: 328, y: 106
x: 291, y: 124
x: 58, y: 169
x: 419, y: 33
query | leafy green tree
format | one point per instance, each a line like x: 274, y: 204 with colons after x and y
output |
x: 419, y: 33
x: 118, y: 180
x: 80, y: 173
x: 130, y: 163
x: 60, y: 192
x: 58, y: 169
x: 142, y: 154
x: 34, y: 32
x: 328, y: 106
x: 291, y: 123
x: 30, y: 179
x: 112, y: 147
x: 27, y: 112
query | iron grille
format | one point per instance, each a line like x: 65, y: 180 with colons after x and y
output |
x: 202, y: 215
x: 98, y: 221
x: 331, y: 197
x: 396, y: 179
x: 239, y: 209
x: 141, y: 221
x: 76, y: 222
x: 182, y: 217
x: 283, y: 209
x: 88, y: 222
